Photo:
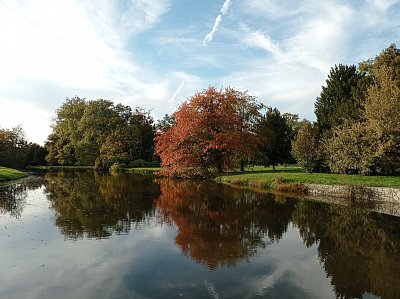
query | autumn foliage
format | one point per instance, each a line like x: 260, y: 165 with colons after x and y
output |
x: 209, y: 135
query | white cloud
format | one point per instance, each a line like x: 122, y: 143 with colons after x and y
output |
x: 259, y: 39
x: 69, y: 48
x: 209, y: 37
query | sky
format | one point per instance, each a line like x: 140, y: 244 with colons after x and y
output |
x: 154, y: 54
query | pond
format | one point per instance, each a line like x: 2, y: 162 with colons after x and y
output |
x: 87, y: 235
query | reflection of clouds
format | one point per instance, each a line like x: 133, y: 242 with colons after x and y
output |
x: 292, y: 264
x: 83, y: 269
x: 37, y: 262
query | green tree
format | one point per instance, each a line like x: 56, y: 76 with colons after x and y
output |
x: 62, y: 142
x: 341, y: 99
x: 371, y: 146
x: 275, y: 135
x: 35, y: 154
x: 305, y: 147
x: 97, y: 122
x: 100, y: 133
x: 248, y: 109
x: 142, y: 120
x: 383, y: 118
x: 13, y: 146
x: 350, y: 149
x: 166, y: 123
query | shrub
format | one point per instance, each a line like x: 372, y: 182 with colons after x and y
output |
x: 115, y: 168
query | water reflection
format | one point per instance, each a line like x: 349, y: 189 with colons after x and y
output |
x: 244, y: 237
x: 13, y: 196
x: 95, y: 207
x: 359, y: 249
x: 218, y: 225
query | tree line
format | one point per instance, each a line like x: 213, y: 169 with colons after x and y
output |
x: 357, y: 130
x: 17, y: 152
x: 99, y: 133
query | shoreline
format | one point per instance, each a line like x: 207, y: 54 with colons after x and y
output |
x: 292, y: 180
x: 11, y: 175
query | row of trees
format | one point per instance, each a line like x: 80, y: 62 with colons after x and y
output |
x: 358, y: 121
x: 17, y: 152
x: 100, y: 133
x: 357, y: 129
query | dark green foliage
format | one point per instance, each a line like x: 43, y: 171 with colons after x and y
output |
x: 275, y: 134
x: 16, y: 152
x: 35, y: 154
x: 341, y: 99
x: 372, y: 145
x: 166, y: 123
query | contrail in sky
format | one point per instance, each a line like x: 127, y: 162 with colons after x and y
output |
x: 224, y: 9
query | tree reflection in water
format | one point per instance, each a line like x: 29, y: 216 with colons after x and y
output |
x: 218, y: 225
x: 359, y: 249
x: 95, y: 207
x: 13, y: 195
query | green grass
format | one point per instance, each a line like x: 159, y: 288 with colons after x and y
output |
x: 8, y: 174
x: 266, y: 177
x: 143, y: 170
x: 260, y: 176
x: 48, y: 167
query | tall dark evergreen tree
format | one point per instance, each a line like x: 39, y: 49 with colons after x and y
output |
x: 275, y: 134
x: 342, y: 98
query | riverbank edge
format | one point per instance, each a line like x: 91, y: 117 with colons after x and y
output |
x: 10, y: 175
x: 347, y: 191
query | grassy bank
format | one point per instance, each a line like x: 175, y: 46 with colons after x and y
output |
x: 8, y: 174
x: 143, y: 170
x: 48, y: 167
x: 267, y: 178
x: 261, y: 177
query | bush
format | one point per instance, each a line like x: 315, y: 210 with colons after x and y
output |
x: 305, y: 148
x: 115, y: 168
x: 140, y: 163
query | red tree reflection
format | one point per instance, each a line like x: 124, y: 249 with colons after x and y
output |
x: 218, y: 225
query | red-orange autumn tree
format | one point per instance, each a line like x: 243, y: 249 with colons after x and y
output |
x: 211, y: 134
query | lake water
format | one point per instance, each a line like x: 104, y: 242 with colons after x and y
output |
x: 85, y: 235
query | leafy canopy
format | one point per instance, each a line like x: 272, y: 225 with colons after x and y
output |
x: 211, y: 133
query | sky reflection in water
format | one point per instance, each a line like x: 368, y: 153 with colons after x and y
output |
x: 84, y: 235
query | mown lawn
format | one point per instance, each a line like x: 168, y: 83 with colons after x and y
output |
x: 8, y: 174
x: 266, y: 177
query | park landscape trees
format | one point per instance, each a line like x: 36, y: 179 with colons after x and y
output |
x: 16, y: 151
x: 357, y: 130
x: 100, y: 133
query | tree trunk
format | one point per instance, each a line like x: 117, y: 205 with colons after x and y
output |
x: 241, y: 165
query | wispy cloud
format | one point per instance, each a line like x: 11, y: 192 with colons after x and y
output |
x: 224, y: 9
x: 263, y: 41
x: 172, y: 99
x: 73, y: 48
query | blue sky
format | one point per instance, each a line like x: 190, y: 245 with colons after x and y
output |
x: 156, y: 53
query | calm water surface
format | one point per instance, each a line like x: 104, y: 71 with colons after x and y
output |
x: 85, y: 235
